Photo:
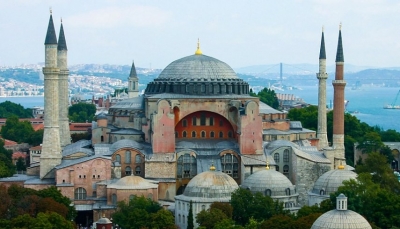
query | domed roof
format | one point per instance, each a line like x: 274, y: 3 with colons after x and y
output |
x: 132, y: 182
x: 103, y: 220
x: 341, y: 218
x: 330, y: 181
x: 211, y: 184
x: 268, y: 179
x: 101, y: 115
x: 125, y: 143
x: 197, y: 68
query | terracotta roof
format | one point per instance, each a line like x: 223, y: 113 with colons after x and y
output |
x: 37, y: 127
x: 9, y: 142
x: 79, y: 126
x: 18, y: 154
x: 36, y: 148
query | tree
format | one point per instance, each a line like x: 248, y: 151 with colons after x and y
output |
x: 305, y: 221
x: 19, y: 131
x: 278, y: 222
x: 81, y: 112
x: 20, y: 164
x: 268, y: 97
x: 226, y: 208
x: 56, y: 195
x: 190, y: 217
x: 371, y: 142
x: 8, y: 109
x: 7, y: 168
x: 210, y: 217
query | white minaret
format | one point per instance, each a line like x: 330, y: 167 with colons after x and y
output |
x: 133, y: 83
x: 51, y: 150
x: 322, y: 76
x: 62, y: 63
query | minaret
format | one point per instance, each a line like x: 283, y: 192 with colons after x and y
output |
x: 322, y: 76
x: 133, y: 83
x: 51, y: 150
x: 338, y: 104
x: 62, y: 63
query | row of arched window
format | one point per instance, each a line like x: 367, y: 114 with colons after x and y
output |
x: 138, y: 158
x: 128, y: 170
x: 202, y: 121
x: 203, y: 134
x: 277, y: 157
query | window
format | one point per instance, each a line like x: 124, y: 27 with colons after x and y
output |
x: 203, y: 134
x: 127, y: 157
x: 322, y: 192
x: 277, y: 167
x: 287, y: 191
x: 230, y: 165
x: 131, y: 197
x: 285, y: 169
x: 80, y: 194
x: 128, y: 170
x: 203, y: 207
x: 193, y: 134
x: 115, y: 139
x: 186, y: 166
x: 202, y: 119
x: 118, y: 158
x: 286, y: 155
x: 221, y: 123
x: 221, y: 135
x: 194, y: 121
x: 102, y: 139
x: 276, y: 157
x: 212, y: 134
x: 229, y: 134
x: 138, y: 158
x: 184, y: 123
x: 211, y: 121
x: 114, y: 199
x: 184, y: 134
x: 137, y: 170
x: 267, y: 192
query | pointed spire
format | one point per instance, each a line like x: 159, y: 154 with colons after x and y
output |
x: 322, y: 54
x: 51, y: 38
x: 62, y: 45
x: 339, y: 53
x: 133, y: 71
x: 198, y: 51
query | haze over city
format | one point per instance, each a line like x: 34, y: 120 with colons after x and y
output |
x: 154, y: 33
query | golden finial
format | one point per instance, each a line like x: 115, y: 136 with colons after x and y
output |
x: 212, y: 167
x: 267, y: 167
x: 198, y: 51
x: 341, y: 167
x: 340, y: 26
x: 51, y: 11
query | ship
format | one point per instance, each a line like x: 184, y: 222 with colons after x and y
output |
x: 393, y: 105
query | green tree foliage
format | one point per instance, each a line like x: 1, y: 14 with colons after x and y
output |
x: 190, y: 217
x: 21, y: 131
x: 141, y: 212
x: 210, y: 217
x: 305, y: 221
x: 308, y: 116
x: 267, y: 96
x: 81, y: 112
x: 20, y: 165
x: 48, y: 220
x: 7, y: 168
x: 226, y: 208
x: 278, y: 222
x: 8, y: 109
x: 371, y: 142
x: 55, y: 194
x: 119, y: 91
x: 257, y: 206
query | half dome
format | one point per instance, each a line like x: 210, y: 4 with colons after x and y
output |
x: 330, y: 181
x: 132, y: 182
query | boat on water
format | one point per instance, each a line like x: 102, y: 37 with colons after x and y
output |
x: 393, y: 106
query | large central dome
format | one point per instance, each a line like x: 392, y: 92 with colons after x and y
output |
x: 198, y: 75
x: 197, y: 68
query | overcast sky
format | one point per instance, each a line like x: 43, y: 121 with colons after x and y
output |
x: 240, y: 33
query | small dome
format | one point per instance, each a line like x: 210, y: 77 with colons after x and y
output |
x: 125, y: 143
x: 103, y: 220
x: 211, y: 184
x: 330, y: 181
x: 102, y: 115
x: 341, y: 219
x: 132, y: 182
x: 268, y: 179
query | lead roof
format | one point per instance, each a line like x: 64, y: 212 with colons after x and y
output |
x: 51, y: 38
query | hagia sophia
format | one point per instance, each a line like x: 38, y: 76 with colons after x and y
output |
x: 194, y: 135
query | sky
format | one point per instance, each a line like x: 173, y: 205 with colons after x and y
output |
x: 240, y: 33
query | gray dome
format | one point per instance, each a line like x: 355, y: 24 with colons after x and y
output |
x: 341, y: 219
x: 198, y: 75
x: 104, y: 221
x: 268, y: 179
x: 330, y: 181
x: 102, y: 115
x: 132, y: 183
x: 125, y: 143
x: 211, y: 184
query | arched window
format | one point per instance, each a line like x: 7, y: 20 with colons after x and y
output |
x: 287, y: 191
x: 322, y: 192
x: 184, y: 123
x: 138, y: 159
x: 150, y: 196
x: 203, y: 207
x: 114, y: 199
x: 211, y: 121
x: 193, y: 134
x: 268, y: 192
x: 80, y: 193
x: 186, y: 166
x: 277, y: 168
x: 286, y: 155
x: 212, y: 134
x: 128, y: 170
x: 276, y: 157
x: 194, y: 123
x: 118, y: 158
x: 230, y: 165
x: 102, y: 138
x: 203, y: 134
x: 286, y: 169
x: 137, y: 170
x: 127, y: 157
x: 229, y: 134
x: 179, y: 218
x: 202, y: 119
x: 221, y: 134
x: 184, y: 134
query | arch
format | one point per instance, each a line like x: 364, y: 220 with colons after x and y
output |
x: 277, y: 168
x: 127, y: 156
x: 138, y: 158
x: 230, y: 134
x: 212, y: 135
x: 114, y: 199
x: 80, y: 193
x: 286, y: 169
x: 128, y: 170
x: 287, y: 191
x: 186, y: 166
x: 184, y: 134
x: 267, y: 192
x: 221, y: 134
x: 122, y: 137
x: 276, y: 157
x: 203, y: 134
x: 138, y: 170
x: 131, y: 197
x: 118, y: 158
x: 193, y: 134
x: 322, y: 192
x: 286, y: 155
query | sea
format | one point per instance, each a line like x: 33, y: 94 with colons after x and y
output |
x: 366, y: 103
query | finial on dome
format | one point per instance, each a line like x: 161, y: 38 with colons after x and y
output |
x: 51, y: 11
x: 212, y: 167
x: 340, y: 26
x: 198, y: 51
x: 267, y: 167
x: 341, y: 167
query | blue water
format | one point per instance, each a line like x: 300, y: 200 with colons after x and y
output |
x: 368, y: 102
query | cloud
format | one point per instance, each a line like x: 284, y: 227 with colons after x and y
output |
x: 110, y: 17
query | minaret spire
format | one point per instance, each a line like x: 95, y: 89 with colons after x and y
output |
x: 339, y: 85
x: 51, y: 38
x: 322, y: 76
x: 133, y: 82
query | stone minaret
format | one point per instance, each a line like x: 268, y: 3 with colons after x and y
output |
x: 338, y: 105
x: 133, y: 83
x: 51, y: 150
x: 62, y: 60
x: 322, y: 76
